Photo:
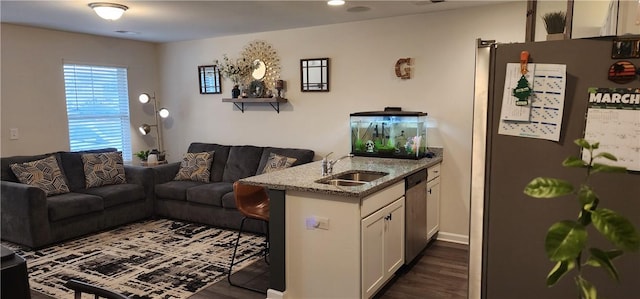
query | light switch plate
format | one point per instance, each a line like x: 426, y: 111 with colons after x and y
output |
x: 13, y: 133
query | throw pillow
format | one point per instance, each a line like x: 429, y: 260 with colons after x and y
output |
x: 195, y: 167
x: 44, y: 174
x: 277, y: 162
x: 102, y: 169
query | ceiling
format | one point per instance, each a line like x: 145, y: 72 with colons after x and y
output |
x: 171, y: 21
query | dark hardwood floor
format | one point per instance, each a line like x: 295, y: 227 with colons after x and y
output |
x: 440, y: 273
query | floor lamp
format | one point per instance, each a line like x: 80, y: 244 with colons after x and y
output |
x: 162, y: 112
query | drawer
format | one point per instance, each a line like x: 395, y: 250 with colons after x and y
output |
x: 433, y: 171
x: 381, y: 198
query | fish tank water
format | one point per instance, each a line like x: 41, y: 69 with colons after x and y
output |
x: 389, y: 134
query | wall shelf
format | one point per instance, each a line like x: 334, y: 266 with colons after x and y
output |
x: 274, y: 102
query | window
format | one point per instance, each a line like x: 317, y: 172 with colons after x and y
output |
x: 97, y: 107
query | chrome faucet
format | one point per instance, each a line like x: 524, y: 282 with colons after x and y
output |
x: 327, y: 165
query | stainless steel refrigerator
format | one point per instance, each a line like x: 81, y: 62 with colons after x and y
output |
x: 514, y: 263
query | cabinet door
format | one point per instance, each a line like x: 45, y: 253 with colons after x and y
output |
x: 433, y: 207
x: 382, y: 246
x: 394, y: 237
x: 373, y: 267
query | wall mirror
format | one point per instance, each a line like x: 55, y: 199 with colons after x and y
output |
x: 266, y: 57
x: 209, y: 79
x: 260, y: 71
x: 314, y: 74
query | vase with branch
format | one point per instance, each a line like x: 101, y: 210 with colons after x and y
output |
x: 566, y: 241
x: 236, y: 70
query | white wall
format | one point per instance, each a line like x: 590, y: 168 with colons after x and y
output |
x: 630, y: 17
x: 363, y: 54
x: 33, y: 96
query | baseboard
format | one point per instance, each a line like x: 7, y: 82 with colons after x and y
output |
x: 273, y: 294
x: 454, y: 238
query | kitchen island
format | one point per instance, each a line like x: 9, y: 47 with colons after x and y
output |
x: 332, y: 241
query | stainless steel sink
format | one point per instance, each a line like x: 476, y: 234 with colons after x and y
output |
x: 352, y: 178
x: 361, y: 176
x: 346, y: 183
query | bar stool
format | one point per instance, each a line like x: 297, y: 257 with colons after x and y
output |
x: 80, y: 288
x: 253, y: 203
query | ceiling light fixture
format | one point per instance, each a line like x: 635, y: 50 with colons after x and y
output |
x: 108, y: 11
x: 335, y: 2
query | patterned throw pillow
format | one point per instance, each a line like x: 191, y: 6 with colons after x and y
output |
x: 277, y: 162
x: 195, y: 167
x: 44, y: 174
x: 103, y: 169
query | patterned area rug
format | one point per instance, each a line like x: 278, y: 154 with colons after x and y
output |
x: 151, y: 259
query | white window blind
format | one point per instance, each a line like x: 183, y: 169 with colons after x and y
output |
x: 97, y: 107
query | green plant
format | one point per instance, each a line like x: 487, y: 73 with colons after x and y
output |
x: 566, y: 240
x: 142, y: 155
x: 554, y: 22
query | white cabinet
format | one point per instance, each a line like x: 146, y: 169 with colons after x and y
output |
x: 382, y: 246
x: 433, y: 200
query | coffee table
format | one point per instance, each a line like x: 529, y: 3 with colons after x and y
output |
x: 15, y: 280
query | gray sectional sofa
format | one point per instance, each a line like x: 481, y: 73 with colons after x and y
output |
x: 30, y: 217
x: 213, y: 202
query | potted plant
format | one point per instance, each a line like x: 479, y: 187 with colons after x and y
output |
x: 554, y: 23
x: 566, y: 241
x: 142, y: 155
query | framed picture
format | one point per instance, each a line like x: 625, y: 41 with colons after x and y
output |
x: 314, y: 74
x: 625, y: 48
x: 209, y: 78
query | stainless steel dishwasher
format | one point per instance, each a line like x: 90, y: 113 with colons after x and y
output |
x: 415, y: 215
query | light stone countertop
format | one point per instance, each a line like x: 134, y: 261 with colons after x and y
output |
x: 303, y: 177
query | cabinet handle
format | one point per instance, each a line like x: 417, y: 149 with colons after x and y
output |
x: 429, y: 191
x: 388, y: 217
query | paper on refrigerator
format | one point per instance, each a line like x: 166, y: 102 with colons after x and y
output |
x: 546, y: 104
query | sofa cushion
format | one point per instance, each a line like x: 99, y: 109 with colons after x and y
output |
x: 229, y: 201
x: 302, y: 156
x: 209, y: 194
x: 195, y: 167
x: 113, y: 195
x: 44, y: 174
x: 176, y: 190
x: 219, y: 159
x: 72, y: 204
x: 102, y: 169
x: 243, y: 162
x: 6, y: 174
x: 277, y: 162
x: 73, y: 167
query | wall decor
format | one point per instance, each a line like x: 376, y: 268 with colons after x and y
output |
x: 403, y: 72
x: 314, y: 74
x: 237, y: 71
x: 267, y: 63
x: 625, y: 48
x: 622, y: 72
x: 209, y: 78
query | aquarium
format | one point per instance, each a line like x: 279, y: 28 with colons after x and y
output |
x: 389, y: 134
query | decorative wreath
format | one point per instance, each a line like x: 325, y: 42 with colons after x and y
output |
x: 257, y: 89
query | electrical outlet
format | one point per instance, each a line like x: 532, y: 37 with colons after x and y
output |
x: 315, y: 222
x: 13, y: 133
x: 322, y: 223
